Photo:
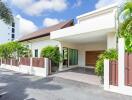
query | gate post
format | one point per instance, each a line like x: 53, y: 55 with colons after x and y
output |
x: 46, y: 66
x: 121, y: 62
x: 106, y: 74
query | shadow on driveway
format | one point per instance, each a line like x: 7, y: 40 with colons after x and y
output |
x: 15, y: 84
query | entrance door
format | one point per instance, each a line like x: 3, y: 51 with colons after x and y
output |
x: 91, y: 57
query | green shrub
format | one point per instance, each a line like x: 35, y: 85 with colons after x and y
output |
x: 110, y: 54
x: 14, y: 50
x: 52, y: 53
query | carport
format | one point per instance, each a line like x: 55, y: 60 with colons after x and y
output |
x: 82, y: 43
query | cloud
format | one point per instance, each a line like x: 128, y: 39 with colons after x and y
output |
x: 50, y: 21
x: 26, y: 26
x: 22, y: 3
x: 102, y: 3
x: 78, y: 3
x: 32, y: 7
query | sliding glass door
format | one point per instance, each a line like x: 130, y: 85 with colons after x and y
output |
x: 65, y: 57
x: 73, y: 57
x: 70, y: 57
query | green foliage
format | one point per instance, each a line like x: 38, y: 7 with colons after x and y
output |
x: 52, y: 53
x: 125, y: 24
x: 5, y: 13
x: 110, y: 54
x: 14, y: 50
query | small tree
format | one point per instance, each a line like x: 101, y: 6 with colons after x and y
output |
x: 14, y: 50
x: 52, y: 53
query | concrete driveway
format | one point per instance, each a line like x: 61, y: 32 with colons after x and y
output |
x: 81, y: 74
x: 25, y: 87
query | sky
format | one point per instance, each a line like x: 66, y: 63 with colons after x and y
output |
x: 37, y: 14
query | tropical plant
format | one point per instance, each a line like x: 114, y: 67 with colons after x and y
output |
x: 125, y: 24
x: 5, y: 13
x: 52, y: 53
x: 110, y: 54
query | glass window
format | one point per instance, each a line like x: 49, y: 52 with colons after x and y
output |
x: 13, y: 24
x: 13, y: 30
x: 36, y: 52
x: 12, y: 36
x: 73, y: 56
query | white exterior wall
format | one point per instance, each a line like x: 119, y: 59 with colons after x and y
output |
x: 6, y: 31
x: 102, y: 20
x: 98, y: 15
x: 111, y: 40
x: 82, y: 48
x: 40, y: 44
x: 89, y: 47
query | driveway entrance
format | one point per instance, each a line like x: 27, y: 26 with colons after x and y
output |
x: 81, y: 74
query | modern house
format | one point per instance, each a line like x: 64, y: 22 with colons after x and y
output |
x: 11, y: 32
x: 80, y: 43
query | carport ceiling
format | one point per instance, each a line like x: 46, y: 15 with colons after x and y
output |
x: 85, y: 38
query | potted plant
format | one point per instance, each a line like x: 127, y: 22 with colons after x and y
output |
x: 53, y: 54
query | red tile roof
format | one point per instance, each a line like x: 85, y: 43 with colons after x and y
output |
x: 46, y: 31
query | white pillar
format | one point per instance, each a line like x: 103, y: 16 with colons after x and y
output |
x: 46, y: 66
x: 121, y: 64
x: 0, y: 61
x: 61, y: 52
x: 31, y: 66
x: 106, y: 74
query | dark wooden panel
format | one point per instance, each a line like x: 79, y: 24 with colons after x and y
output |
x: 128, y: 69
x: 91, y: 57
x: 25, y: 61
x: 38, y: 62
x: 113, y: 73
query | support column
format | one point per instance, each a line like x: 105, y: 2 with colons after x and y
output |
x: 61, y: 52
x: 121, y: 64
x: 106, y: 74
x: 30, y: 67
x: 46, y: 66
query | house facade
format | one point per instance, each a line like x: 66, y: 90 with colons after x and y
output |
x: 80, y: 43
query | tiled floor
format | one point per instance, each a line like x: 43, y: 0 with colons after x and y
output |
x: 86, y: 75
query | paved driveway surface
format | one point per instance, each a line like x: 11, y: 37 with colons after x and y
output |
x: 81, y: 74
x: 25, y: 87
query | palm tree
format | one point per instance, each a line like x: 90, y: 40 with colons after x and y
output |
x: 125, y: 19
x: 5, y: 13
x: 125, y: 24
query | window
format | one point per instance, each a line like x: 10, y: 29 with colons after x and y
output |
x: 13, y: 30
x: 12, y: 36
x: 13, y: 24
x: 73, y: 56
x: 36, y: 52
